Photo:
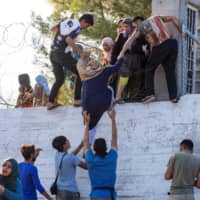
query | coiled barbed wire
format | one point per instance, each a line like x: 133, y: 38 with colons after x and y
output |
x: 16, y: 35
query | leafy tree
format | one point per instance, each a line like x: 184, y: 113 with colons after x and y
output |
x: 107, y: 14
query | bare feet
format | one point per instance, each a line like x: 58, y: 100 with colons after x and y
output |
x: 51, y: 105
x: 77, y: 103
x: 148, y: 99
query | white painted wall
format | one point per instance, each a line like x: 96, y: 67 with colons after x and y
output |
x: 148, y: 135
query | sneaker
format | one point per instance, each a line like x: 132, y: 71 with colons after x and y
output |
x: 148, y: 99
x: 51, y: 105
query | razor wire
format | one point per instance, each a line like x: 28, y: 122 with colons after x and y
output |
x: 17, y: 35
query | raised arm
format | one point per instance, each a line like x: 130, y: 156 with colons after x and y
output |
x: 174, y: 21
x: 86, y: 118
x: 78, y: 148
x: 114, y: 129
x: 113, y: 68
x: 128, y: 43
x: 75, y: 48
x: 37, y: 152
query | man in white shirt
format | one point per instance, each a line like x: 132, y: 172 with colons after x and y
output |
x: 61, y: 57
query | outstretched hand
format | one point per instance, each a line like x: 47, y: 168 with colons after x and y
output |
x: 37, y: 152
x: 85, y: 54
x: 112, y: 114
x: 121, y: 55
x: 86, y: 118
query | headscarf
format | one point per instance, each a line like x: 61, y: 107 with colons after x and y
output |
x: 107, y: 54
x: 87, y: 72
x: 109, y: 41
x: 9, y: 182
x: 43, y: 82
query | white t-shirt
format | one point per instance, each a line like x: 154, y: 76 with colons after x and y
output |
x: 70, y: 27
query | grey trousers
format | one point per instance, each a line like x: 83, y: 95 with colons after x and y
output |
x: 67, y: 195
x: 181, y: 197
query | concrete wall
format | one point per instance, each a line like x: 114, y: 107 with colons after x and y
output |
x: 148, y: 135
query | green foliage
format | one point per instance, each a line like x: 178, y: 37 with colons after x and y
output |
x: 100, y: 29
x: 107, y: 14
x: 40, y: 24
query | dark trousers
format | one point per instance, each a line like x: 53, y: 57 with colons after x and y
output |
x: 59, y: 63
x: 165, y: 54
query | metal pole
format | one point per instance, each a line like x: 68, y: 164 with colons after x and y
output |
x: 194, y: 37
x: 183, y: 54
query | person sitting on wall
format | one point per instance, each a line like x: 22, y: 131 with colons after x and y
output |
x: 41, y: 91
x: 25, y: 97
x: 164, y: 51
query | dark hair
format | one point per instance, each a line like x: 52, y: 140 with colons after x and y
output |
x: 187, y: 143
x: 127, y: 21
x: 121, y: 20
x: 26, y: 150
x: 58, y: 142
x: 138, y: 18
x: 100, y: 147
x: 89, y: 18
x: 24, y: 79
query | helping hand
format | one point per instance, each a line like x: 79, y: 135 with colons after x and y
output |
x: 86, y: 118
x: 37, y: 152
x: 112, y: 114
x: 2, y: 189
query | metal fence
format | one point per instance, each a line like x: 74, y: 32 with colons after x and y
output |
x: 190, y: 15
